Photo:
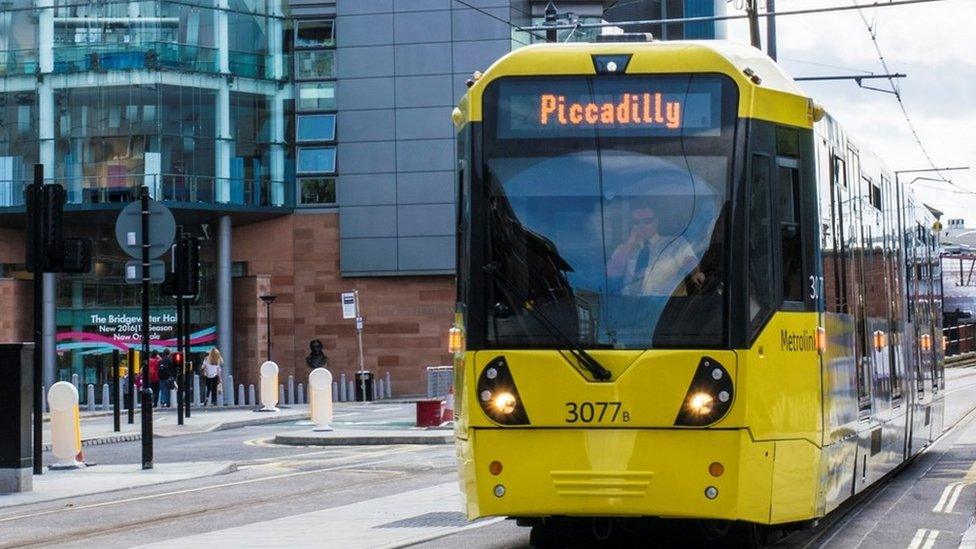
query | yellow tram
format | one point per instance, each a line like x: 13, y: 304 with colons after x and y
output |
x: 683, y: 292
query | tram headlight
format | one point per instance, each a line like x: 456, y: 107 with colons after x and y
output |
x: 701, y: 403
x: 498, y: 396
x: 709, y: 395
x: 505, y: 403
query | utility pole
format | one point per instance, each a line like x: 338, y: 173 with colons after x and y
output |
x: 753, y: 14
x: 771, y: 29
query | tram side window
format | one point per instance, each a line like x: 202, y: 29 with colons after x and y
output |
x: 839, y: 173
x: 790, y: 236
x: 760, y: 243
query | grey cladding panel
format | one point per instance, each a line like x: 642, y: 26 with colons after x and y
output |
x: 425, y: 155
x: 376, y: 157
x: 425, y: 187
x: 365, y: 93
x: 425, y: 220
x: 422, y: 5
x: 364, y: 62
x: 368, y: 254
x: 372, y: 189
x: 479, y: 55
x: 374, y: 125
x: 475, y: 25
x: 418, y: 59
x: 426, y: 253
x: 367, y: 221
x: 423, y: 26
x: 353, y: 7
x: 364, y: 30
x: 424, y: 123
x: 424, y: 91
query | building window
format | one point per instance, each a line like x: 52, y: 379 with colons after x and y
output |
x: 316, y: 127
x: 314, y: 34
x: 312, y: 65
x: 316, y: 159
x: 317, y: 190
x: 316, y: 96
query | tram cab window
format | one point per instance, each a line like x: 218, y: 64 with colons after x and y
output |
x: 790, y: 236
x: 760, y: 242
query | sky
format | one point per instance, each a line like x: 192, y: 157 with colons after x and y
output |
x: 934, y: 44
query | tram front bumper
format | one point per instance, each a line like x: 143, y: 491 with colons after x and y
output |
x: 617, y: 472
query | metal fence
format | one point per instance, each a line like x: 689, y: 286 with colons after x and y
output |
x: 960, y: 339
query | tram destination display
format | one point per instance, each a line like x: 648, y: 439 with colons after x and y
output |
x: 577, y: 107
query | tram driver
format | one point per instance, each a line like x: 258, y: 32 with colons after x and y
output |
x: 650, y: 263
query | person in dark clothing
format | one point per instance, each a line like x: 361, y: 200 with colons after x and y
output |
x: 316, y: 358
x: 167, y: 378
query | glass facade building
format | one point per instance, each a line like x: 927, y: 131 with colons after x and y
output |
x: 192, y: 99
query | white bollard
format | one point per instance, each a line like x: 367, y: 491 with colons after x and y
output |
x: 342, y: 388
x: 229, y: 395
x: 320, y: 399
x: 65, y: 425
x: 197, y: 396
x: 389, y: 386
x: 90, y: 397
x: 300, y: 396
x: 335, y: 392
x: 269, y: 387
x: 251, y: 399
x: 379, y: 388
x: 281, y: 394
x: 106, y: 398
x: 291, y: 390
x: 351, y: 392
x: 240, y: 395
x: 76, y: 381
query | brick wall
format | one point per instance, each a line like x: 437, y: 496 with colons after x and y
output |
x: 16, y: 310
x: 406, y: 318
x: 250, y: 325
x: 16, y: 295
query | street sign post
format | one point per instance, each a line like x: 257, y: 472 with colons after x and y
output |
x: 133, y: 272
x: 350, y: 310
x: 162, y: 229
x: 145, y: 230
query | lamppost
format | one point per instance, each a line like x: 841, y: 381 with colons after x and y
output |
x: 268, y: 299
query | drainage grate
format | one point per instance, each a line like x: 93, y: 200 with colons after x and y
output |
x: 430, y: 520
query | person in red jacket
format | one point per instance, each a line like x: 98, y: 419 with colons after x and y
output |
x: 154, y: 376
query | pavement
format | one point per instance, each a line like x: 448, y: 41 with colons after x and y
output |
x: 99, y: 429
x: 61, y: 484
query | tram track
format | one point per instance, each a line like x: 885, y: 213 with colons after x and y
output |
x: 835, y: 522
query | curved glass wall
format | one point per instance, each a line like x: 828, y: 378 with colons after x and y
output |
x: 187, y: 97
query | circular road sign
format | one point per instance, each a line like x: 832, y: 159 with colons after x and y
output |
x: 162, y: 229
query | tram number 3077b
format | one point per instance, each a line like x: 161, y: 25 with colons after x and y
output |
x: 595, y: 412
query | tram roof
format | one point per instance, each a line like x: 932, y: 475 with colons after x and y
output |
x: 739, y: 61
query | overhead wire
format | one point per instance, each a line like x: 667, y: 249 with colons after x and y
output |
x: 872, y: 31
x: 509, y: 23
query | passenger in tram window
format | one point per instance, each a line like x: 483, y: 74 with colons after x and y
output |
x: 652, y: 263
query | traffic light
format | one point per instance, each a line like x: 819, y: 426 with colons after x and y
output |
x: 178, y: 362
x: 77, y: 256
x: 45, y: 239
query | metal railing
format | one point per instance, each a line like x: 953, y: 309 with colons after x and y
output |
x: 166, y: 187
x: 960, y: 339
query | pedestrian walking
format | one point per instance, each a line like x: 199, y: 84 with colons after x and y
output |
x: 154, y: 376
x: 210, y: 369
x: 167, y: 378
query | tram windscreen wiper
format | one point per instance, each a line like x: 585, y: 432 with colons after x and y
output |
x: 585, y: 359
